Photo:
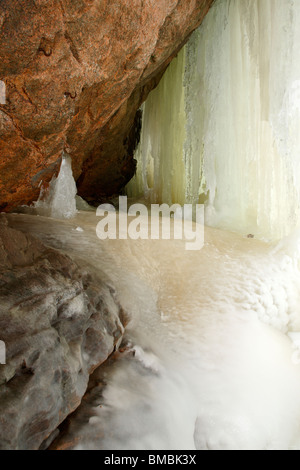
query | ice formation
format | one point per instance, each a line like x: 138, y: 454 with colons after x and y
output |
x: 223, y: 125
x: 213, y: 367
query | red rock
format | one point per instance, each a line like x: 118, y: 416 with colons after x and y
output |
x: 76, y: 71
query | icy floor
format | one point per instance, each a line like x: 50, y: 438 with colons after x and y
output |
x: 214, y: 367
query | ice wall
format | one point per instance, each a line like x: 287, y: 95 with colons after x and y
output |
x: 229, y: 136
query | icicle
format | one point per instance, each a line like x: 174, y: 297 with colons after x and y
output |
x: 234, y: 141
x: 59, y: 201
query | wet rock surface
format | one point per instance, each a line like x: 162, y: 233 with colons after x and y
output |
x: 59, y: 323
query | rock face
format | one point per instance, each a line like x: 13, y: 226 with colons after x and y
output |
x: 58, y: 323
x: 76, y: 71
x: 78, y: 431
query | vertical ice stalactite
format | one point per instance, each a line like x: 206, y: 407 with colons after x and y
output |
x: 223, y: 126
x: 160, y: 165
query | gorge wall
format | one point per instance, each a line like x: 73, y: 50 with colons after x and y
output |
x: 76, y: 72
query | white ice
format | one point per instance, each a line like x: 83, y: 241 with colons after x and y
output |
x: 222, y: 127
x: 213, y: 366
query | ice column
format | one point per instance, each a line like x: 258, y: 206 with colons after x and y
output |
x: 59, y: 202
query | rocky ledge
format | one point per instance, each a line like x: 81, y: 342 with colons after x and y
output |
x: 59, y: 323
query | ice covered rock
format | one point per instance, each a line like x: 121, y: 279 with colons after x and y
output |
x: 58, y: 323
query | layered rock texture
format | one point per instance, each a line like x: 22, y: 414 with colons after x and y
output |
x: 76, y: 72
x: 59, y: 323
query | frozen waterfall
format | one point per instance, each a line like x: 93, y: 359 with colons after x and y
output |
x: 212, y: 352
x: 223, y: 125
